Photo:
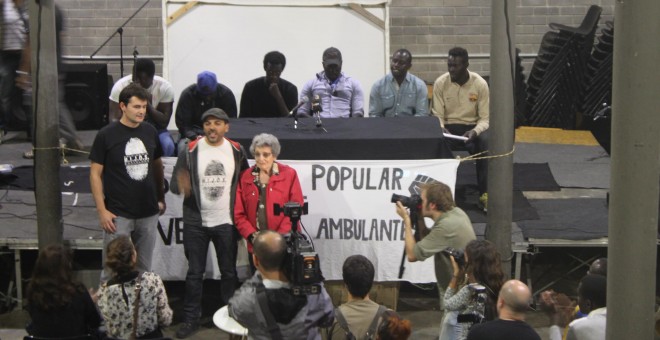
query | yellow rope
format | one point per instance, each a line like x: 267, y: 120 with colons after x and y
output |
x: 474, y: 157
x: 64, y: 149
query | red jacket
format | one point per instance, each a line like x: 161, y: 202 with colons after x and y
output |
x: 282, y: 187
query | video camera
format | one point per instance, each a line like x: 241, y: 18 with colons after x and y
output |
x: 301, y: 265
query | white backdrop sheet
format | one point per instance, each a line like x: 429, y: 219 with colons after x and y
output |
x: 231, y: 41
x: 349, y: 213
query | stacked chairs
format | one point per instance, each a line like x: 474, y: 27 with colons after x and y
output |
x: 597, y: 89
x: 555, y: 81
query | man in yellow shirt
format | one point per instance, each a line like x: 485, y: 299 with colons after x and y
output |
x: 460, y: 101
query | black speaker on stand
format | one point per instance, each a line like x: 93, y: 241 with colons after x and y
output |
x: 87, y: 90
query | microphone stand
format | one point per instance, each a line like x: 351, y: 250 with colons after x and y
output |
x: 316, y: 111
x: 120, y: 30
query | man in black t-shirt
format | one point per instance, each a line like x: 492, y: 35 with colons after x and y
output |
x: 126, y: 177
x: 512, y: 304
x: 269, y: 96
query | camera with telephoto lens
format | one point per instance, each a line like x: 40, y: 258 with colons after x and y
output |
x: 301, y: 264
x: 411, y: 202
x: 477, y: 304
x: 457, y: 254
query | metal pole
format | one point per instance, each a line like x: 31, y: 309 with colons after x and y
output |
x: 500, y: 169
x: 633, y: 211
x: 45, y: 105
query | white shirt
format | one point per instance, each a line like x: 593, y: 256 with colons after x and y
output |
x: 215, y: 166
x: 591, y: 327
x: 161, y: 90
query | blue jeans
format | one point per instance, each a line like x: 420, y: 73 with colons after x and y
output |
x: 167, y: 143
x: 195, y: 245
x: 143, y: 234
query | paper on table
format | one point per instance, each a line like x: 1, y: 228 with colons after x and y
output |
x: 449, y: 135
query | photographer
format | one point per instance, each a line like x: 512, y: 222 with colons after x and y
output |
x: 474, y: 302
x: 265, y: 304
x: 451, y: 228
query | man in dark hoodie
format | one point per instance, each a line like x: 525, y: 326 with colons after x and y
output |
x: 291, y: 316
x: 206, y: 173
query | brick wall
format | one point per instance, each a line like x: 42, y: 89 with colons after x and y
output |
x: 428, y: 28
x: 88, y: 23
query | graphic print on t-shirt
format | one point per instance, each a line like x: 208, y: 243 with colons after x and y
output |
x: 136, y: 159
x: 214, y: 181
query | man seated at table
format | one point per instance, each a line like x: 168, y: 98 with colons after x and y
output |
x: 198, y: 98
x: 399, y: 93
x: 334, y: 93
x: 269, y: 96
x: 265, y: 304
x: 460, y: 100
x: 159, y: 105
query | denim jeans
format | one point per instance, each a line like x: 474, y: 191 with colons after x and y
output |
x: 195, y: 245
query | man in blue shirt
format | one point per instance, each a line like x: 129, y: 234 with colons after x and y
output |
x: 399, y: 93
x: 336, y: 94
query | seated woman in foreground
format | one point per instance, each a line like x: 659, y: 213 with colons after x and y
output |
x: 116, y: 298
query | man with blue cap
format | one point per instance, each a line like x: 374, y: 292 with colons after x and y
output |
x: 196, y: 99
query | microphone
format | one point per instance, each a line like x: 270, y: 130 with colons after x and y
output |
x: 303, y: 101
x: 316, y: 104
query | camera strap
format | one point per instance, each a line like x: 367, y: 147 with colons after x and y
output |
x: 271, y: 324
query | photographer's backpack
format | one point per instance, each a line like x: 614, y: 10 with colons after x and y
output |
x: 371, y: 332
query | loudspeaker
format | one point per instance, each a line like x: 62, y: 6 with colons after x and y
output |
x: 87, y: 90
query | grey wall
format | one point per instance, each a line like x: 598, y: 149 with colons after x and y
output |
x: 428, y: 28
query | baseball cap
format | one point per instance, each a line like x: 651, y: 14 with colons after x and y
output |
x: 332, y: 56
x: 217, y: 113
x: 206, y: 83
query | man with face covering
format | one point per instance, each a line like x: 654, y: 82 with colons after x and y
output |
x: 399, y: 93
x: 335, y: 93
x: 269, y: 96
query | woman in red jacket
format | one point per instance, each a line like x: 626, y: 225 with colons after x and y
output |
x: 261, y: 187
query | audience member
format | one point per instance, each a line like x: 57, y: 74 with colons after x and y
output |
x: 207, y: 173
x: 592, y: 299
x: 451, y: 228
x: 159, y: 103
x: 333, y: 92
x: 393, y: 327
x: 359, y: 317
x: 560, y: 308
x: 13, y: 38
x: 198, y: 98
x: 483, y: 270
x: 399, y: 93
x: 460, y: 100
x: 67, y: 128
x: 128, y: 289
x: 59, y: 306
x: 269, y: 96
x: 126, y: 177
x: 262, y: 186
x: 512, y: 304
x: 265, y: 304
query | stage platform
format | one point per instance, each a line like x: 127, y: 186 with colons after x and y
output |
x: 561, y: 180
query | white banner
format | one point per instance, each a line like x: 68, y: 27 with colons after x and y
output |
x: 349, y: 213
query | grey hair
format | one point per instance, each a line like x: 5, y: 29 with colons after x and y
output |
x: 265, y: 139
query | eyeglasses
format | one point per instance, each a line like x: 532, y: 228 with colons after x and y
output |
x: 263, y: 154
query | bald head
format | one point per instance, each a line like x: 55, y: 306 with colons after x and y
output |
x: 270, y: 249
x: 515, y: 297
x: 598, y: 267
